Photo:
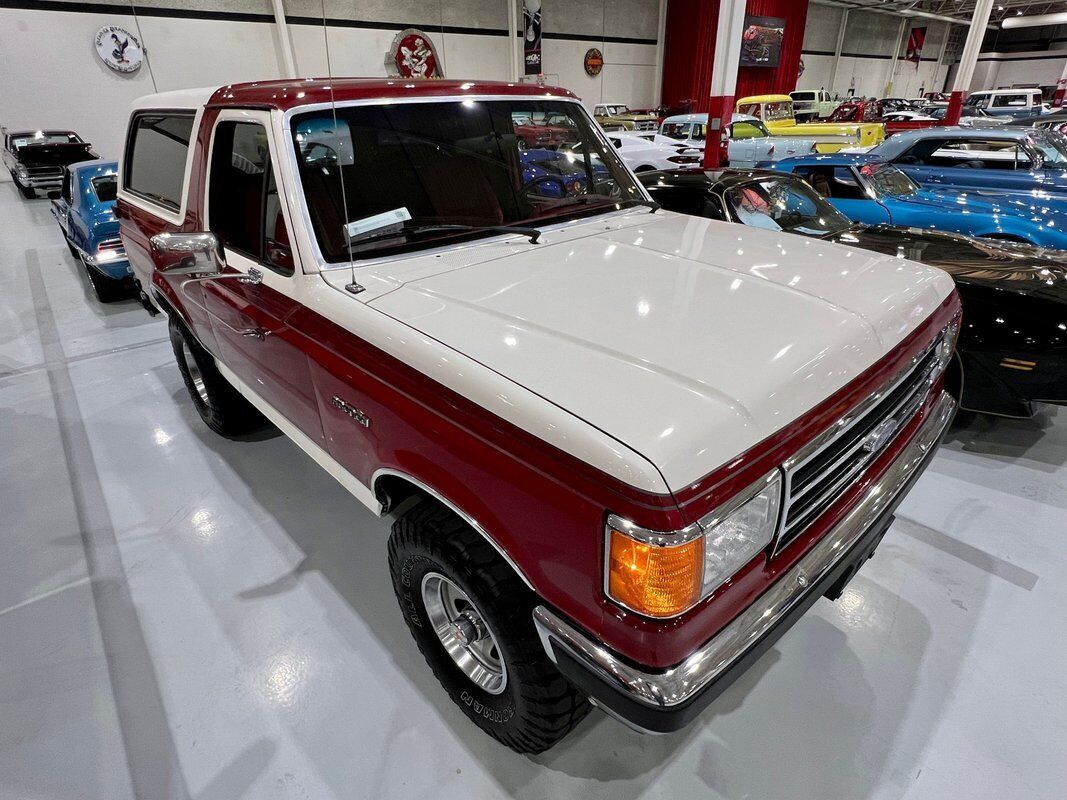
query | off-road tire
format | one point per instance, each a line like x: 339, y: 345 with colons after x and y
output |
x: 222, y: 407
x: 537, y: 706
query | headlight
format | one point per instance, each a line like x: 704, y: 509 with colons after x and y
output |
x: 947, y: 343
x: 666, y: 574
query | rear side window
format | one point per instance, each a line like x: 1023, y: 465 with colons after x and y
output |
x: 156, y: 155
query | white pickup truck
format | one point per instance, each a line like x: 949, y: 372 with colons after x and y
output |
x: 625, y: 448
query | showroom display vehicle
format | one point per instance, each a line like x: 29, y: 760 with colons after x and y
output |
x: 1013, y: 345
x: 812, y: 104
x: 619, y: 471
x: 36, y: 159
x: 748, y: 142
x: 866, y: 189
x: 84, y: 207
x: 776, y: 112
x: 619, y: 117
x: 1002, y: 159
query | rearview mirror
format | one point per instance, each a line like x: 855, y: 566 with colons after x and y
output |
x: 187, y: 254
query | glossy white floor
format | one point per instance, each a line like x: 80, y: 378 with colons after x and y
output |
x: 183, y: 616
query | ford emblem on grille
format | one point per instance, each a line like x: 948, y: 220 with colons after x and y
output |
x: 880, y: 436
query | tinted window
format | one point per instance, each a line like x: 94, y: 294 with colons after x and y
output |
x: 105, y: 188
x: 239, y: 165
x: 1010, y: 100
x: 836, y: 182
x: 155, y: 157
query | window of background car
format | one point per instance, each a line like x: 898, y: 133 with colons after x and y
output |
x: 1053, y: 147
x: 1010, y: 100
x: 887, y: 179
x: 784, y: 205
x: 44, y: 138
x: 677, y: 130
x: 447, y: 163
x: 743, y: 129
x: 156, y: 155
x: 105, y: 187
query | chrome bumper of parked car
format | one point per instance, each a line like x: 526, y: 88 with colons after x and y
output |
x: 666, y: 700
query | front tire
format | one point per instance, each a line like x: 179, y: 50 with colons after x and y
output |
x: 27, y: 191
x: 471, y: 617
x: 222, y: 407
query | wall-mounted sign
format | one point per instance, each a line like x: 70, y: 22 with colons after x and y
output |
x: 594, y: 62
x: 412, y: 55
x: 531, y: 36
x: 916, y: 40
x: 119, y: 49
x: 761, y: 43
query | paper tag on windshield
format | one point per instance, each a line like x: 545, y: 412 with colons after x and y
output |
x: 389, y: 219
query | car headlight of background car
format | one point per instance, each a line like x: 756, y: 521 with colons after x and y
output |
x: 666, y: 574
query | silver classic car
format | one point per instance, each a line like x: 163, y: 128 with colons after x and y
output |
x: 749, y: 141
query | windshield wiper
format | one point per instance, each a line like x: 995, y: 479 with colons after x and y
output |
x: 607, y: 201
x: 533, y: 233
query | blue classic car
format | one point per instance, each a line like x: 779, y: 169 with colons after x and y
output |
x: 1005, y: 159
x: 84, y: 208
x: 876, y: 193
x: 557, y: 173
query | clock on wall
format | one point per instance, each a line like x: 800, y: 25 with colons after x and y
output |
x: 119, y: 49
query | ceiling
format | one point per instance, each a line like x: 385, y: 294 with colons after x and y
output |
x: 961, y: 9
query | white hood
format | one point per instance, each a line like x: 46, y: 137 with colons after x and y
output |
x: 687, y: 340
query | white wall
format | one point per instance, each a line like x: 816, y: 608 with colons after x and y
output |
x: 867, y: 54
x: 996, y: 70
x: 51, y: 76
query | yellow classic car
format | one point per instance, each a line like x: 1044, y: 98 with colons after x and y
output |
x: 776, y: 111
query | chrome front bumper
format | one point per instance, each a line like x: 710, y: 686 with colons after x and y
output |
x: 667, y: 700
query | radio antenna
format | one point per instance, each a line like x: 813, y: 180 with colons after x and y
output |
x: 351, y: 286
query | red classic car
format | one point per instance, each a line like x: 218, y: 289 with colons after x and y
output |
x: 618, y: 472
x: 871, y: 111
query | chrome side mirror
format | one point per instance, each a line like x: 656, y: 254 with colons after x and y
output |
x: 187, y: 254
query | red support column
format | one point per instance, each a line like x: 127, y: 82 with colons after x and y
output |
x: 725, y: 62
x: 720, y: 112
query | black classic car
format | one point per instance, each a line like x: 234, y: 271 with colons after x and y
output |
x: 36, y: 159
x: 1013, y: 347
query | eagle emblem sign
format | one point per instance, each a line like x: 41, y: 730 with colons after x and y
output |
x: 412, y: 55
x: 119, y: 49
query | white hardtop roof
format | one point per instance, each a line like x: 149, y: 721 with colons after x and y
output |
x: 180, y: 98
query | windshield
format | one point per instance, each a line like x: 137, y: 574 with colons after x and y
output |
x: 684, y: 130
x: 845, y: 113
x: 105, y: 187
x: 886, y: 179
x: 785, y: 205
x: 447, y: 163
x: 1053, y: 147
x: 44, y: 138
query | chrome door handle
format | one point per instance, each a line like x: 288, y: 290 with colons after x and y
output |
x: 254, y: 276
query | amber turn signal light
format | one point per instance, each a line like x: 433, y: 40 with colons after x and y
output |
x: 655, y: 580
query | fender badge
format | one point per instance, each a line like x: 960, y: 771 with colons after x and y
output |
x: 351, y: 411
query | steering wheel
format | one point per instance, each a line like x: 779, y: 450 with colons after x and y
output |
x: 328, y: 154
x: 531, y: 187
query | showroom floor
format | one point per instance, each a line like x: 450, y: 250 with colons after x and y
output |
x: 183, y: 616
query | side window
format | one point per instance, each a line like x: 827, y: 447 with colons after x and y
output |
x: 243, y: 205
x: 834, y: 182
x: 745, y: 130
x: 1010, y: 101
x: 156, y: 155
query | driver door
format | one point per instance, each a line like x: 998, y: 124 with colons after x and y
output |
x: 248, y: 214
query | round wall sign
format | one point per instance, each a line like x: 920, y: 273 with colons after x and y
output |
x: 412, y: 55
x: 594, y: 62
x: 119, y: 49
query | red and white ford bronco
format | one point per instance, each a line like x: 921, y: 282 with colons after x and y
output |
x: 627, y: 448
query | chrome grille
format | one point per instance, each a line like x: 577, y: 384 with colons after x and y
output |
x: 817, y: 476
x: 44, y: 172
x: 646, y: 125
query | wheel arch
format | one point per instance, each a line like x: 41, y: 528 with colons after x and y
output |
x: 392, y: 487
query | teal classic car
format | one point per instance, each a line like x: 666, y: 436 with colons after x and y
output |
x: 84, y: 209
x: 873, y: 192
